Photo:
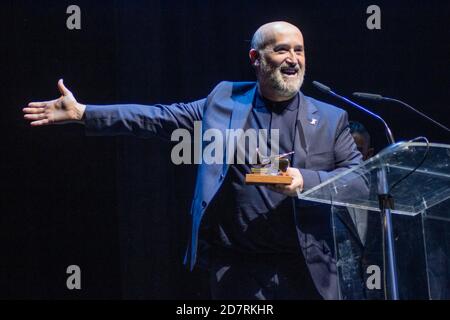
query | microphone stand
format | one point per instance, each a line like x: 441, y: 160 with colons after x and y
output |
x: 385, y: 199
x: 378, y: 97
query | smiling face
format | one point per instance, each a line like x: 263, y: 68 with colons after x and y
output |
x: 279, y: 59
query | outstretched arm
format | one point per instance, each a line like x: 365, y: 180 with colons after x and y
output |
x: 128, y: 119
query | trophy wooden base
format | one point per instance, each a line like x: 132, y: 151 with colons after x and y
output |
x: 252, y: 178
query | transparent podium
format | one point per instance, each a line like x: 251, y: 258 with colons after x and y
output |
x: 391, y: 223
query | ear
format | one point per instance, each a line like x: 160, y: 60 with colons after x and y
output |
x: 254, y: 57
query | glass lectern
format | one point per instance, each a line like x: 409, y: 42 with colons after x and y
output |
x: 409, y: 182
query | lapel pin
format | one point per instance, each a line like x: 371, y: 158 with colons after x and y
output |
x: 313, y: 122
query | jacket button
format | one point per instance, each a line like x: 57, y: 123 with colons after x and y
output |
x: 203, y: 204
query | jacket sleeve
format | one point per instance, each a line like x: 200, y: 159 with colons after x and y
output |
x: 346, y: 156
x: 141, y: 120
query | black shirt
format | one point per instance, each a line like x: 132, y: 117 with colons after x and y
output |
x: 252, y: 218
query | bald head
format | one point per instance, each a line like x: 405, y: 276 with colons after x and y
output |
x: 267, y: 33
x: 278, y: 56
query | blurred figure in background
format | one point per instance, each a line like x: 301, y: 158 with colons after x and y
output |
x: 362, y: 139
x: 358, y: 236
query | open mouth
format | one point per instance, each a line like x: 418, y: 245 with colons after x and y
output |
x: 289, y: 71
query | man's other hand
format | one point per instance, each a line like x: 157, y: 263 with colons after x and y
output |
x: 294, y: 188
x: 65, y: 109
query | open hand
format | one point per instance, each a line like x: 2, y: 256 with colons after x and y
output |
x: 62, y: 110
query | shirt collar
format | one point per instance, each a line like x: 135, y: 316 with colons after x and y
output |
x: 261, y: 102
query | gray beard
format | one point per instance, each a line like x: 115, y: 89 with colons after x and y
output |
x: 273, y: 77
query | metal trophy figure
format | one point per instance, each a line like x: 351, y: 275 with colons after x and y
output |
x: 270, y: 170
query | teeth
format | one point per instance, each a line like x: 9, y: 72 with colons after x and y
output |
x: 289, y: 71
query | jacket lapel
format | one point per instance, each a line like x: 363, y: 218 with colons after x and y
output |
x: 242, y: 104
x: 308, y: 120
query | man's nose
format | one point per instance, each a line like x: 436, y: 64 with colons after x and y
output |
x: 292, y: 58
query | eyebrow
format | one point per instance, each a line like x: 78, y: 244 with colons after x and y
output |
x: 284, y: 45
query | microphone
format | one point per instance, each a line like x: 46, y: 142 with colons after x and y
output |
x: 322, y: 87
x: 369, y: 96
x: 327, y: 90
x: 378, y: 97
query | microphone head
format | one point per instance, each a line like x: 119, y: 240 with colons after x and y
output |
x: 321, y: 87
x: 369, y: 96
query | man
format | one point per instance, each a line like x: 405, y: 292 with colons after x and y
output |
x: 261, y: 242
x: 358, y: 235
x: 362, y: 139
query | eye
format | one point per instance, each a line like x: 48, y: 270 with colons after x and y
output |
x: 281, y: 49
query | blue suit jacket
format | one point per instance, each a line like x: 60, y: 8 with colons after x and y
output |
x: 324, y: 147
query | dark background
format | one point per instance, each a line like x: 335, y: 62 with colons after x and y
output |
x: 117, y: 207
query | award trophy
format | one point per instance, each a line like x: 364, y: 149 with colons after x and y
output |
x: 270, y: 170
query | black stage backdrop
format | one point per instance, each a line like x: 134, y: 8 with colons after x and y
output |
x: 117, y: 207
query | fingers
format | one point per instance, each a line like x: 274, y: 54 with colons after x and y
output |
x: 33, y: 110
x: 40, y: 123
x: 34, y: 113
x: 62, y: 88
x: 36, y: 116
x: 41, y: 104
